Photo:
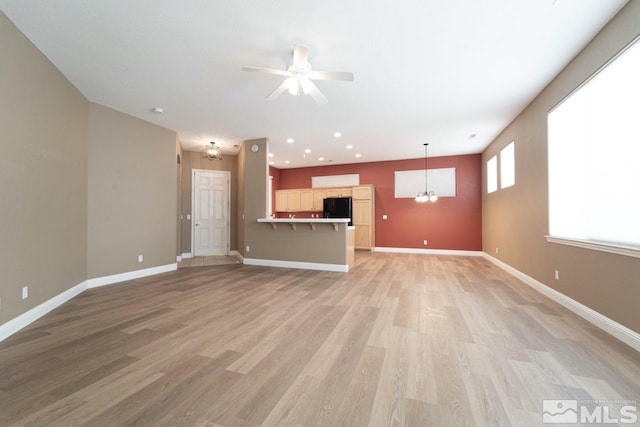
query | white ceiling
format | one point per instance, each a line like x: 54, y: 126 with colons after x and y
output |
x: 425, y: 71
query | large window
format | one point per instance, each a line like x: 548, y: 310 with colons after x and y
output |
x: 594, y: 158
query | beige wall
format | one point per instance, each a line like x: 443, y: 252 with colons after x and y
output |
x: 240, y: 195
x: 255, y: 190
x: 132, y: 193
x: 515, y: 220
x: 43, y: 177
x: 193, y: 160
x: 179, y: 156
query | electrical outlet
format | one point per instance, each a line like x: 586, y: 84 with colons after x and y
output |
x: 497, y: 250
x: 557, y: 275
x: 25, y: 292
x: 248, y: 248
x: 140, y: 258
x: 425, y: 242
x: 188, y: 216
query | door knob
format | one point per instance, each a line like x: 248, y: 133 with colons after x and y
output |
x: 197, y: 225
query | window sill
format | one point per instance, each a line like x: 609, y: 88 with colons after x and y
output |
x: 597, y: 246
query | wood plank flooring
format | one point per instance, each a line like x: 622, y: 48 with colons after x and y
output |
x: 401, y: 340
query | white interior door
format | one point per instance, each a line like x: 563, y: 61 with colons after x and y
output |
x: 210, y: 225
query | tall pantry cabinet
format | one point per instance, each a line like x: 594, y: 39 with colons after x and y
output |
x: 364, y: 216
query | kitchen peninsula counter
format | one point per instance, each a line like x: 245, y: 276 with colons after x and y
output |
x: 308, y: 243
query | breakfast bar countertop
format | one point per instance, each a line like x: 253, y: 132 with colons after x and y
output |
x: 305, y: 220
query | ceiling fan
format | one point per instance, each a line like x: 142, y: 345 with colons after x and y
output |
x: 300, y: 76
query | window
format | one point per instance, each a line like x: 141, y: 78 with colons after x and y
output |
x: 507, y: 166
x: 492, y: 174
x: 594, y: 150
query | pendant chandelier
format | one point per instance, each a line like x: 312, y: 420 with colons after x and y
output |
x: 211, y: 152
x: 426, y: 195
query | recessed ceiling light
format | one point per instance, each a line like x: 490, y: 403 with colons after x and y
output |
x: 307, y: 151
x: 271, y: 162
x: 158, y: 110
x: 270, y: 154
x: 358, y: 155
x: 337, y: 134
x: 289, y: 140
x: 321, y: 159
x: 349, y: 147
x: 287, y: 161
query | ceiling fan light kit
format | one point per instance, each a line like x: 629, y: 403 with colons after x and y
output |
x: 300, y: 76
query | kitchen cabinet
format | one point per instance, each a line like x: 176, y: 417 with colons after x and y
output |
x: 339, y: 192
x: 306, y: 200
x: 364, y: 217
x: 318, y: 200
x: 288, y: 200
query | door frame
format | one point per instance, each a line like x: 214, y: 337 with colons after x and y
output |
x: 227, y: 175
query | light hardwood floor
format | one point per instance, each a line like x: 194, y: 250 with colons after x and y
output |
x: 201, y: 261
x: 402, y: 339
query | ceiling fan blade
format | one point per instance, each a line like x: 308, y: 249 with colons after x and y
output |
x: 331, y: 75
x: 279, y: 91
x: 264, y: 70
x: 311, y: 89
x: 300, y: 55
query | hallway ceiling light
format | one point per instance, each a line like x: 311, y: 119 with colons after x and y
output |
x: 211, y: 152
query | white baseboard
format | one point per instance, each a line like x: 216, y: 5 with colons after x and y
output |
x: 14, y: 325
x: 428, y: 251
x: 130, y: 275
x: 187, y: 255
x: 296, y: 264
x: 621, y: 332
x: 25, y: 319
